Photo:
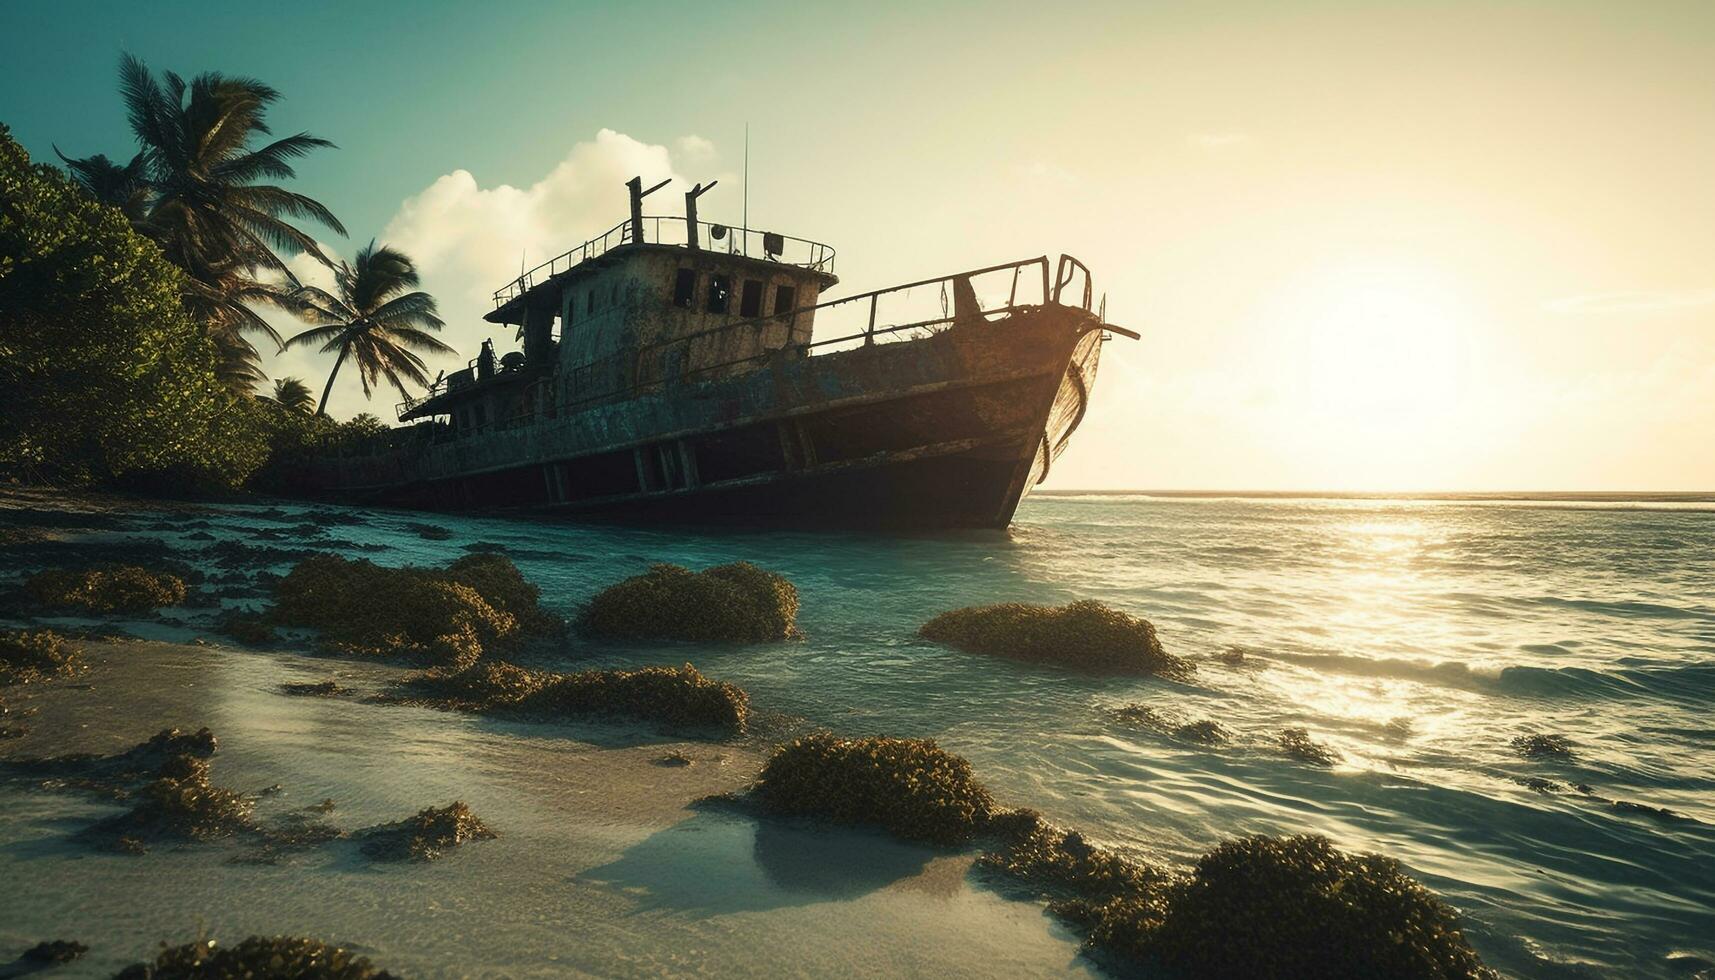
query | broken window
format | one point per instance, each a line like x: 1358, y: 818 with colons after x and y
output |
x: 785, y: 299
x: 720, y: 293
x: 750, y: 301
x: 684, y: 288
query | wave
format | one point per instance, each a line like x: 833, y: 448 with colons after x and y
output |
x: 1693, y: 682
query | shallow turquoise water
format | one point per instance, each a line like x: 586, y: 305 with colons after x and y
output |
x: 1416, y: 638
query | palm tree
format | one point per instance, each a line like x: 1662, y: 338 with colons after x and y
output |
x: 199, y: 197
x: 374, y: 317
x: 294, y: 395
x: 124, y: 187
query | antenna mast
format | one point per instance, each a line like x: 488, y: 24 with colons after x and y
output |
x: 746, y: 215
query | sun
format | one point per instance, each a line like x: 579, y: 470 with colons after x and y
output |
x: 1381, y: 348
x: 1368, y: 369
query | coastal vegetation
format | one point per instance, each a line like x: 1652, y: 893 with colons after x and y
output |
x: 910, y: 787
x: 738, y: 602
x: 257, y: 956
x: 673, y: 697
x: 132, y: 297
x: 426, y: 835
x: 1084, y: 635
x: 106, y: 589
x: 36, y: 655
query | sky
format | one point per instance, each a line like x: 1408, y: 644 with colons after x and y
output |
x: 1369, y: 245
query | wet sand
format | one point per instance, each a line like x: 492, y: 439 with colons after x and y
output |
x: 602, y: 866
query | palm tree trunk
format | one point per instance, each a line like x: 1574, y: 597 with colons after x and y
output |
x: 322, y: 409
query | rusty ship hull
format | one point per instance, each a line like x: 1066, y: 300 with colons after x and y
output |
x: 950, y: 430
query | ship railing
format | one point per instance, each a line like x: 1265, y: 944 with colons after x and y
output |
x: 904, y: 312
x: 675, y: 230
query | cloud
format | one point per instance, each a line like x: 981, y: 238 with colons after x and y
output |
x: 469, y: 240
x: 1632, y: 301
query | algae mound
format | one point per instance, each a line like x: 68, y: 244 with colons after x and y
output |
x: 910, y: 787
x: 257, y: 956
x: 106, y: 589
x: 445, y: 618
x: 738, y: 603
x: 1084, y: 635
x: 679, y: 697
x: 425, y: 836
x: 37, y: 655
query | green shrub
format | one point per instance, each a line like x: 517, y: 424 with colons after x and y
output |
x: 105, y: 377
x: 107, y: 589
x: 256, y: 957
x: 1083, y: 635
x: 37, y: 655
x: 1289, y: 907
x: 738, y: 603
x: 444, y: 618
x: 425, y: 836
x: 910, y: 787
x: 676, y: 697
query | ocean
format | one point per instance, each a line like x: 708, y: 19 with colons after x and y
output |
x: 1415, y: 638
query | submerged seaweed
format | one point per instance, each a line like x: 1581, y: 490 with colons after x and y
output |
x: 314, y: 689
x: 106, y: 589
x: 1204, y: 731
x: 37, y: 655
x: 1084, y: 635
x: 1297, y: 743
x: 1540, y: 746
x: 677, y: 697
x: 910, y: 787
x: 255, y: 957
x: 425, y: 836
x: 731, y: 603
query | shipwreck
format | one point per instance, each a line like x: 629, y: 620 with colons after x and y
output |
x: 675, y: 369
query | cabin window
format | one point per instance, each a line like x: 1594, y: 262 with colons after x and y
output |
x: 750, y: 301
x: 720, y: 293
x: 684, y: 288
x: 785, y: 299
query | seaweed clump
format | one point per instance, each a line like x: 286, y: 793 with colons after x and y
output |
x: 425, y: 836
x: 910, y: 787
x: 679, y: 697
x: 738, y: 602
x: 1084, y: 635
x: 444, y: 618
x: 1286, y: 907
x: 1296, y: 742
x: 257, y: 956
x: 1264, y: 907
x: 1540, y: 746
x: 180, y: 805
x: 106, y: 589
x: 38, y: 655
